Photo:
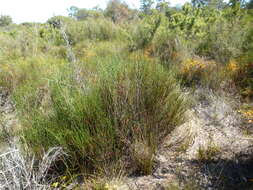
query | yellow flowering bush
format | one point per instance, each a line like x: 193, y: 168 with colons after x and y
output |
x: 232, y: 69
x: 192, y: 65
x: 240, y: 72
x: 247, y: 114
x: 148, y: 51
x: 232, y: 66
x: 196, y: 70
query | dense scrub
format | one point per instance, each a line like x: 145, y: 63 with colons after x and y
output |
x: 100, y: 119
x: 106, y: 85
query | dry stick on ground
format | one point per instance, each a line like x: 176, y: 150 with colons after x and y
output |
x: 19, y: 172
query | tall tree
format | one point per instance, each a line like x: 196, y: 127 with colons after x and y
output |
x: 217, y: 4
x: 72, y: 11
x: 250, y: 4
x: 117, y: 10
x: 162, y: 5
x: 146, y: 6
x: 82, y: 14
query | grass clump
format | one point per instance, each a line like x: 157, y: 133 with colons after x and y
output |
x: 129, y: 102
x: 209, y: 153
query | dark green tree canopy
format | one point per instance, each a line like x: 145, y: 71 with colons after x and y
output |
x: 250, y: 4
x: 218, y: 4
x: 56, y: 21
x: 82, y: 14
x: 162, y: 5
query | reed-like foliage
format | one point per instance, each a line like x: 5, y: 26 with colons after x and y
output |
x: 127, y: 104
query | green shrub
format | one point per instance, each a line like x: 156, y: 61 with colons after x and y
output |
x: 129, y: 102
x: 90, y: 49
x: 5, y: 20
x: 169, y: 47
x: 16, y: 73
x: 225, y: 38
x: 208, y: 153
x: 143, y: 33
x: 93, y: 29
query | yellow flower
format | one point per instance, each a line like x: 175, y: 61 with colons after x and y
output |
x: 55, y: 184
x: 248, y: 114
x: 191, y: 64
x: 90, y: 53
x: 233, y: 66
x: 107, y: 186
x: 110, y: 187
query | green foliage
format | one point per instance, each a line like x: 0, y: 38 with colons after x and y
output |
x: 226, y: 38
x: 216, y: 4
x: 121, y: 97
x: 5, y: 20
x: 250, y: 4
x: 143, y: 33
x: 59, y: 21
x: 34, y: 39
x: 82, y: 14
x: 130, y: 101
x: 32, y: 70
x: 97, y: 30
x: 162, y: 6
x: 209, y: 153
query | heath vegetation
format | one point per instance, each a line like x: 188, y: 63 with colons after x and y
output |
x: 107, y: 86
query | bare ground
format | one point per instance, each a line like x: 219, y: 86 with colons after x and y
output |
x: 209, y: 151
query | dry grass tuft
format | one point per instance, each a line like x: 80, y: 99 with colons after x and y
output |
x: 20, y: 172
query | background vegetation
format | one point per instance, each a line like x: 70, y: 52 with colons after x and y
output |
x: 106, y: 85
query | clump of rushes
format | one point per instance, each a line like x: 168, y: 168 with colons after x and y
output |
x: 129, y: 102
x: 209, y: 153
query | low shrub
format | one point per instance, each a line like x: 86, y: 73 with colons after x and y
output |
x: 16, y: 73
x: 93, y: 29
x: 143, y: 32
x: 88, y: 49
x: 198, y: 71
x: 129, y: 102
x: 244, y: 80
